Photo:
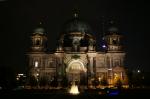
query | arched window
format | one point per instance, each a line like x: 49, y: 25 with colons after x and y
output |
x: 37, y: 42
x: 116, y: 63
x: 114, y: 41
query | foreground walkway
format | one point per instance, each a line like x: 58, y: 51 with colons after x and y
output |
x: 63, y: 94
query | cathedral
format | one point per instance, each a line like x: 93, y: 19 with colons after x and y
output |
x: 76, y: 58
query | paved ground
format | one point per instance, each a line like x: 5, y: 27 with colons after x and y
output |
x: 63, y: 94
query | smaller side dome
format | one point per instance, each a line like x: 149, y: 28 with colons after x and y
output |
x: 39, y: 30
x: 113, y: 29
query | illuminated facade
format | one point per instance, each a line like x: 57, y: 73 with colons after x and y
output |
x: 76, y: 58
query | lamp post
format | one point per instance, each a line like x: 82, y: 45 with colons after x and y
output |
x: 37, y: 78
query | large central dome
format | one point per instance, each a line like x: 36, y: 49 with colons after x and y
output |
x: 76, y: 31
x: 76, y: 25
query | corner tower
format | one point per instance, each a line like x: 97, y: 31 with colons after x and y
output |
x: 115, y: 56
x: 37, y: 54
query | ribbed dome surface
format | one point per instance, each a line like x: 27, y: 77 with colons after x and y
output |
x: 76, y: 25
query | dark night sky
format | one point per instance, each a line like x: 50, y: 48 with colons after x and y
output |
x: 18, y: 18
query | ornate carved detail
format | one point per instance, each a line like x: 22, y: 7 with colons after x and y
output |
x: 75, y: 56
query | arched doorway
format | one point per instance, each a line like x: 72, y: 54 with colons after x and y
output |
x: 75, y: 71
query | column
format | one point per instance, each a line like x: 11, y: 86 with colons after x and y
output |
x: 110, y: 71
x: 94, y: 66
x: 91, y: 66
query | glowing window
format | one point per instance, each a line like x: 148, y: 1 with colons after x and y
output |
x: 116, y: 76
x: 36, y: 64
x: 37, y: 74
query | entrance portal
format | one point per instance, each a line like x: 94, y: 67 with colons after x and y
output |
x: 75, y: 70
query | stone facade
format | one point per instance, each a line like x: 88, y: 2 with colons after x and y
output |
x: 76, y: 57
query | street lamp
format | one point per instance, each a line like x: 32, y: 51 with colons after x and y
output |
x: 138, y: 71
x: 37, y: 78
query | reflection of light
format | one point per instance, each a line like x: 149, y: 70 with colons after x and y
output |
x: 113, y: 93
